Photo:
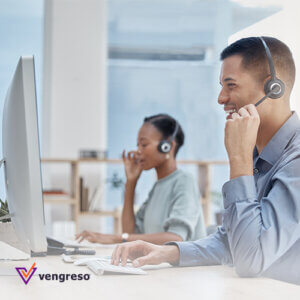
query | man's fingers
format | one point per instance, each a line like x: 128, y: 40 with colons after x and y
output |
x: 114, y: 255
x: 243, y: 112
x: 252, y: 110
x: 130, y: 250
x: 144, y: 260
x: 235, y: 116
x: 124, y: 256
x: 117, y: 256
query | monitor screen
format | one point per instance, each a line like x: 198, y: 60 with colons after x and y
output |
x: 21, y: 153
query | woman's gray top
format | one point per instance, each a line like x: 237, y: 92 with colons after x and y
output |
x: 173, y: 205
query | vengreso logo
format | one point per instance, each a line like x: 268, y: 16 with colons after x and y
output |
x: 64, y: 277
x: 27, y: 275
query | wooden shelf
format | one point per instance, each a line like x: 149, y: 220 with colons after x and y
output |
x: 204, y: 183
x: 119, y: 161
x: 59, y: 160
x: 60, y: 200
x: 112, y: 213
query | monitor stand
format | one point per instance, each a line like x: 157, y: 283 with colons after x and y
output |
x: 7, y: 252
x: 11, y: 248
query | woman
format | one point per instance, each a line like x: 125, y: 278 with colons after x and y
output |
x: 172, y: 211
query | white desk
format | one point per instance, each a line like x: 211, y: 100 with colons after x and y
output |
x: 215, y: 282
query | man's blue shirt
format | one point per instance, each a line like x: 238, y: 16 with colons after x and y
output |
x: 260, y: 234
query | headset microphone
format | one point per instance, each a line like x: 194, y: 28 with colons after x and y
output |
x: 263, y: 98
x: 274, y: 88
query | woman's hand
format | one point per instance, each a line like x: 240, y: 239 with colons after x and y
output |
x: 132, y: 166
x: 95, y: 237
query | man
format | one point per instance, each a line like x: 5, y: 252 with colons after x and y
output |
x: 260, y: 235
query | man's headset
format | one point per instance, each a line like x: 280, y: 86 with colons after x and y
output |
x: 274, y: 88
x: 165, y: 145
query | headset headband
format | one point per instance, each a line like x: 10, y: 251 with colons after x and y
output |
x: 270, y: 60
x: 173, y: 136
x: 274, y: 87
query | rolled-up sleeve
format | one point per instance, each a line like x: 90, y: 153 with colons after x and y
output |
x: 260, y: 232
x: 185, y: 210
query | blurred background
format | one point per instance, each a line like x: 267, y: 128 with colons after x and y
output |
x: 102, y: 66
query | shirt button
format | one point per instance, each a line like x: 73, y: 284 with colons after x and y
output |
x: 255, y: 171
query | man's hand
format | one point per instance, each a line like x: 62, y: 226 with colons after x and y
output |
x: 142, y: 253
x: 240, y: 139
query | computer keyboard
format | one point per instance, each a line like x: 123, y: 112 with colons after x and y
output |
x: 84, y: 260
x: 99, y: 267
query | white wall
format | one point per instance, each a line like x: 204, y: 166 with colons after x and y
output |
x: 74, y: 88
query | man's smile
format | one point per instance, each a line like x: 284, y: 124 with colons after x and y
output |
x: 229, y: 110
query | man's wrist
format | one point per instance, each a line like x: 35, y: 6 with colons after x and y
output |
x: 171, y: 254
x: 240, y: 166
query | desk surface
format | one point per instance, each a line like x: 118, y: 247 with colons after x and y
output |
x: 214, y: 282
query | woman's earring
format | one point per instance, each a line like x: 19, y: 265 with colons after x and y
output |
x: 167, y: 156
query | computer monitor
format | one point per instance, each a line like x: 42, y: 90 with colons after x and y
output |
x: 21, y: 153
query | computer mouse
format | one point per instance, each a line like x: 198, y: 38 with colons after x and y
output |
x: 68, y: 258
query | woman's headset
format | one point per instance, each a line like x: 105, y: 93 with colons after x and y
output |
x: 274, y: 88
x: 165, y: 145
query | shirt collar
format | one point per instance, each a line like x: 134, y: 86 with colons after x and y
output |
x: 173, y: 174
x: 279, y: 141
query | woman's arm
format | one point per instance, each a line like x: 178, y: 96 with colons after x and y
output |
x: 155, y: 238
x: 159, y: 238
x: 128, y: 218
x: 133, y: 171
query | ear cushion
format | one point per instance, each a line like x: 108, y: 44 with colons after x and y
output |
x: 277, y: 85
x: 164, y: 147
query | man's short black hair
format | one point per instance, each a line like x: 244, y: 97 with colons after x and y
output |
x: 255, y: 59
